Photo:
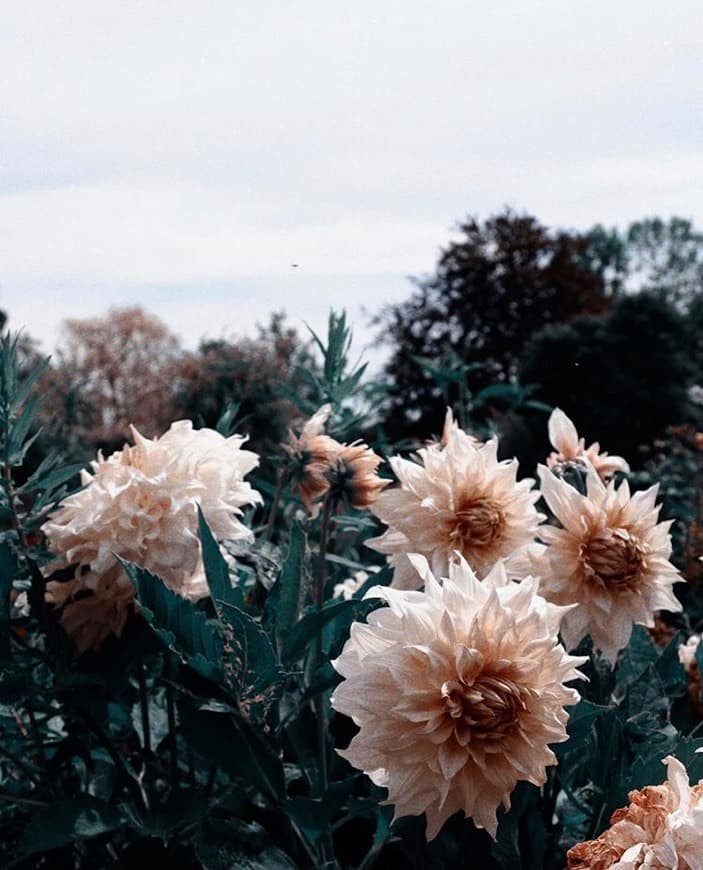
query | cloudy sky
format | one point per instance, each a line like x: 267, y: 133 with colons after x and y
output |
x: 183, y: 155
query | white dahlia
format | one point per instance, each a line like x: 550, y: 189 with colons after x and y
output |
x: 458, y: 498
x: 568, y: 447
x: 661, y: 829
x: 611, y: 558
x: 141, y: 504
x: 458, y: 692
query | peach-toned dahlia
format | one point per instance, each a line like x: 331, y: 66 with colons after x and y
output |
x: 458, y: 498
x: 611, y: 558
x: 352, y: 475
x: 312, y: 454
x: 661, y: 829
x: 141, y: 504
x: 568, y: 447
x: 458, y: 692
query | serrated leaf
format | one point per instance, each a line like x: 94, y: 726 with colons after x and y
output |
x: 216, y: 568
x: 639, y: 654
x: 251, y: 670
x: 67, y: 821
x: 178, y: 624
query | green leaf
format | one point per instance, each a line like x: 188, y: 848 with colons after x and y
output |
x: 178, y: 624
x: 671, y: 670
x: 251, y: 670
x: 216, y: 568
x: 231, y: 744
x: 65, y: 822
x: 639, y: 654
x: 581, y: 719
x: 8, y: 571
x: 283, y: 601
x: 304, y: 632
x: 52, y: 479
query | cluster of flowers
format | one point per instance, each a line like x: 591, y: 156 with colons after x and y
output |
x: 459, y: 685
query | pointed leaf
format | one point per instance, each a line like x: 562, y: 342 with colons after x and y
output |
x: 216, y: 568
x: 177, y: 623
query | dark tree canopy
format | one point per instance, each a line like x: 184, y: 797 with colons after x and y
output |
x: 621, y: 377
x: 500, y: 282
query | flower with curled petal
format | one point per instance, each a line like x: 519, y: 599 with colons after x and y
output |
x: 457, y: 691
x: 459, y: 497
x: 568, y: 447
x: 311, y: 454
x: 141, y: 504
x: 611, y: 558
x: 661, y: 829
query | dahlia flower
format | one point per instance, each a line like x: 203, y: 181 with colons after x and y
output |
x: 458, y: 498
x: 611, y: 558
x: 662, y: 828
x: 352, y: 475
x: 311, y: 455
x: 322, y: 465
x: 687, y: 651
x: 141, y: 504
x: 568, y: 447
x: 458, y: 692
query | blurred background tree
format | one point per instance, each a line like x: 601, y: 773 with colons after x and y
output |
x: 249, y: 373
x: 112, y: 371
x: 622, y: 377
x: 493, y: 288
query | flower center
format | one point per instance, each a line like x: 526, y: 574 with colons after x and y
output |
x: 613, y: 555
x: 487, y: 708
x: 476, y: 524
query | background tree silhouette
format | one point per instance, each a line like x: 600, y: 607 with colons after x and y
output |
x: 494, y: 287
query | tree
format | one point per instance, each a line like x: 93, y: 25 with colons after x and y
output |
x: 248, y: 373
x: 112, y: 371
x: 652, y: 254
x: 499, y: 283
x: 621, y: 377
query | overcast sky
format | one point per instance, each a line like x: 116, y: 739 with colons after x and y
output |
x: 183, y: 155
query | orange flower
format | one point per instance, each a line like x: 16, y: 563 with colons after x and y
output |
x: 661, y: 829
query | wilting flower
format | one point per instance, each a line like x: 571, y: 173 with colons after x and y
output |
x: 141, y: 504
x: 458, y: 498
x: 458, y: 692
x: 611, y: 558
x: 312, y: 454
x: 322, y: 465
x: 352, y: 475
x: 568, y: 447
x: 662, y: 828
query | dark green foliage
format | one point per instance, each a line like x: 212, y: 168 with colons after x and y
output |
x: 621, y: 377
x: 501, y: 282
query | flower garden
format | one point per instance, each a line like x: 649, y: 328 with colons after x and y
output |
x: 392, y: 656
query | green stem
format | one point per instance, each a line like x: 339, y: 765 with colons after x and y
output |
x: 144, y: 704
x: 325, y: 844
x: 171, y: 713
x: 280, y: 486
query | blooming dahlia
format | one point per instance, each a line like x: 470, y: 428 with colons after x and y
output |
x: 611, y: 558
x: 458, y: 498
x: 568, y: 447
x: 458, y: 692
x: 141, y: 504
x: 661, y: 829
